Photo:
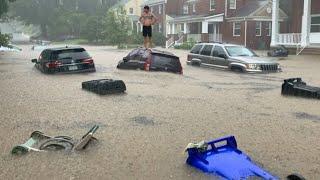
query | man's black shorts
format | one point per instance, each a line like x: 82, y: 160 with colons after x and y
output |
x: 147, y: 31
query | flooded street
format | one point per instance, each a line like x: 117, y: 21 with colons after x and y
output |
x: 143, y: 133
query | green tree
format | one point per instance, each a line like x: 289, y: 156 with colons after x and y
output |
x: 117, y: 27
x: 4, y: 6
x: 95, y: 26
x: 66, y: 24
x: 60, y: 19
x: 37, y: 12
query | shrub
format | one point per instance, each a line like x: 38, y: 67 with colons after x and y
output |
x: 185, y: 45
x: 4, y: 39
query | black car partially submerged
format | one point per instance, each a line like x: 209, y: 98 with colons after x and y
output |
x: 151, y: 60
x: 64, y: 60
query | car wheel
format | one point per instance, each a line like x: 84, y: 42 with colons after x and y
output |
x: 195, y: 63
x: 295, y: 177
x: 237, y: 69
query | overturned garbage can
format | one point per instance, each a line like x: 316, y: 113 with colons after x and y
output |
x: 105, y: 86
x: 297, y: 87
x: 222, y: 158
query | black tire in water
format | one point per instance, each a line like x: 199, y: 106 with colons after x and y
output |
x: 237, y: 69
x: 295, y: 177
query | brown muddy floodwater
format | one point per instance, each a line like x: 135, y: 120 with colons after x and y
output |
x: 143, y: 133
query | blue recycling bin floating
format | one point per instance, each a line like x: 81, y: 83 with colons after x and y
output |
x: 224, y: 159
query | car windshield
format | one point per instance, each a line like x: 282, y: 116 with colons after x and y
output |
x: 239, y: 51
x: 72, y: 54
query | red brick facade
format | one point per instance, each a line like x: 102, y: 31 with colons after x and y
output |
x: 175, y: 8
x: 294, y: 23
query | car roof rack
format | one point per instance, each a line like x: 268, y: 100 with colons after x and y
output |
x: 216, y: 42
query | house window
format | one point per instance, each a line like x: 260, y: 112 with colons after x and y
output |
x: 182, y: 27
x: 232, y: 4
x: 212, y: 5
x: 194, y: 8
x: 236, y: 28
x: 315, y: 23
x: 269, y: 28
x: 131, y: 11
x: 258, y: 28
x: 185, y: 9
x: 160, y: 9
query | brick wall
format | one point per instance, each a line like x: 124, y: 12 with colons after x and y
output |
x: 315, y: 6
x: 253, y: 41
x: 160, y: 16
x: 227, y: 29
x: 202, y: 7
x: 174, y: 7
x: 239, y: 4
x: 258, y: 42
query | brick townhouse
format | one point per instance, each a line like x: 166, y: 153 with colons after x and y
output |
x: 246, y: 22
x: 303, y: 26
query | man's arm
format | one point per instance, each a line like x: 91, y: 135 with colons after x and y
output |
x: 154, y: 19
x: 141, y: 18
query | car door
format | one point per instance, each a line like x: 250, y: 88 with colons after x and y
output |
x: 220, y: 56
x: 195, y: 53
x: 205, y: 55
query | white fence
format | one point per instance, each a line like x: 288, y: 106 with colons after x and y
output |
x: 289, y: 39
x: 215, y: 37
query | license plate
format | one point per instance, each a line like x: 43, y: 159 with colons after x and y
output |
x: 72, y: 68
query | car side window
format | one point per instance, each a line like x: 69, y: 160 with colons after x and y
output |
x: 45, y: 55
x: 196, y: 49
x: 218, y: 50
x: 42, y: 56
x: 206, y: 50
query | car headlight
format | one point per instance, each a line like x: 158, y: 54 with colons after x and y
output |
x: 279, y: 67
x: 253, y: 66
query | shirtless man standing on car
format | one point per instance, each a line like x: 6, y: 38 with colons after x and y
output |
x: 147, y: 19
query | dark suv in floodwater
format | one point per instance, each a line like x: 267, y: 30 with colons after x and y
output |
x: 229, y: 56
x: 151, y: 60
x: 64, y: 59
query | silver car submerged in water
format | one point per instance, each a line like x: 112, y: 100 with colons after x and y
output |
x: 230, y: 56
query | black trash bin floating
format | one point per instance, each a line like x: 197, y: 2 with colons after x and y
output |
x: 280, y: 51
x: 297, y: 87
x: 104, y: 86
